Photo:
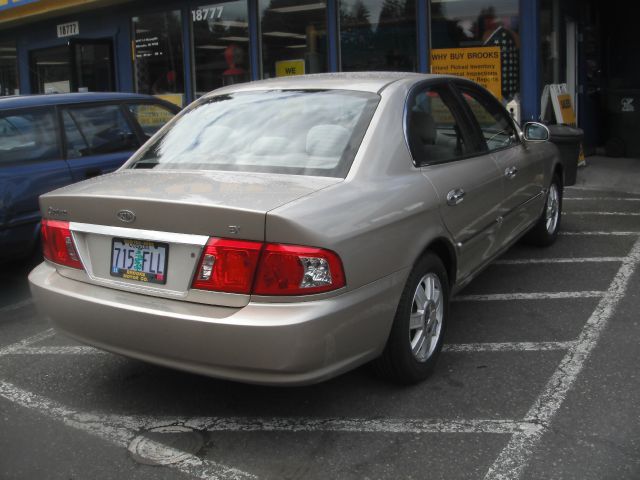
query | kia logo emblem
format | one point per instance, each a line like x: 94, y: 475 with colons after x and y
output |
x: 127, y: 216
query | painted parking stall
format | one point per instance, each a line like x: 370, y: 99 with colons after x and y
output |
x: 520, y: 338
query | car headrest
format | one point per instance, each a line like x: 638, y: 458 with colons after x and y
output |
x: 424, y: 126
x: 269, y: 146
x: 327, y: 140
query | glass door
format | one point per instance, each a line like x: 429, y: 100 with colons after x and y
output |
x: 81, y: 65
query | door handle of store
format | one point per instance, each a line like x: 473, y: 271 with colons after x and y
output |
x: 511, y: 172
x: 455, y: 197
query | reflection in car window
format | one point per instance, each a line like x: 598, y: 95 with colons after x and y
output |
x: 27, y: 137
x: 76, y: 144
x: 150, y: 117
x: 434, y: 134
x: 103, y: 129
x: 497, y: 130
x: 312, y: 132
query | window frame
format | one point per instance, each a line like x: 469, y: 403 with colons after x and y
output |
x: 467, y: 129
x: 459, y: 87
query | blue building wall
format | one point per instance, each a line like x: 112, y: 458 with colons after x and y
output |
x: 115, y: 23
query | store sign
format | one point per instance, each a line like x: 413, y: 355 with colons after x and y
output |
x: 68, y: 29
x: 481, y: 64
x: 7, y: 4
x: 288, y: 68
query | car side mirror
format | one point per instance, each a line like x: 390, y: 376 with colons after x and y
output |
x: 536, y: 132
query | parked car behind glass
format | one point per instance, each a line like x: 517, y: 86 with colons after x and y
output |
x: 48, y: 141
x: 288, y: 230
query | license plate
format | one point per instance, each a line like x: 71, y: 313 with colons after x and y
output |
x: 139, y: 260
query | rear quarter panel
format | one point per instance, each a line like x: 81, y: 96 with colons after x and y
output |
x: 381, y: 218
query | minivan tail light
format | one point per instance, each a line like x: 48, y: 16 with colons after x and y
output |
x: 227, y: 265
x: 58, y: 245
x: 295, y: 270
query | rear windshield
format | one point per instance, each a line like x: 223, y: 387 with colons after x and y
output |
x: 304, y: 132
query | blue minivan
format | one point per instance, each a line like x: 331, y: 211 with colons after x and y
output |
x: 48, y: 141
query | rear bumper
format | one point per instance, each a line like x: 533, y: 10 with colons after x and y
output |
x: 269, y: 343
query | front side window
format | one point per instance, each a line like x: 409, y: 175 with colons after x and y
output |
x: 496, y: 126
x: 304, y: 132
x: 97, y: 130
x: 220, y: 45
x: 158, y: 57
x: 434, y: 133
x: 28, y: 137
x: 378, y: 35
x: 294, y: 37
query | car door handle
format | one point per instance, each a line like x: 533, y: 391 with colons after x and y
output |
x: 455, y: 197
x: 510, y: 172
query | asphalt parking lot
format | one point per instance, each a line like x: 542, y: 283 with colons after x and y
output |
x: 539, y: 380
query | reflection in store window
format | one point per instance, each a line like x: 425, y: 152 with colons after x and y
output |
x: 221, y: 44
x: 378, y: 35
x: 294, y: 37
x: 8, y: 69
x: 158, y: 57
x: 468, y: 23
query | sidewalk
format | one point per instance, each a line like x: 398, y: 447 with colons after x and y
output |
x: 606, y: 173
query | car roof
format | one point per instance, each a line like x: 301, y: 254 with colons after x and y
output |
x: 22, y: 101
x: 361, y: 81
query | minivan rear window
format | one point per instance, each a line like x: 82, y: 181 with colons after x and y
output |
x: 304, y: 132
x: 28, y: 136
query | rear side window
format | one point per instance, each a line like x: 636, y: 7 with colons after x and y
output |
x: 300, y: 132
x: 97, y: 130
x: 150, y: 117
x: 496, y: 126
x: 28, y: 136
x: 434, y: 133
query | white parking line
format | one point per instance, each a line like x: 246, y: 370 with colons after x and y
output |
x: 527, y: 261
x: 513, y: 459
x: 507, y: 347
x: 601, y: 199
x: 491, y: 297
x: 16, y: 306
x: 38, y: 337
x: 598, y: 233
x: 606, y: 214
x: 119, y: 430
x: 452, y: 347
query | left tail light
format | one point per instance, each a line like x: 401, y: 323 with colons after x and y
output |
x: 58, y: 245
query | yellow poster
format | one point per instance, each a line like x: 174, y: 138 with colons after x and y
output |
x: 566, y: 109
x: 175, y: 98
x: 480, y: 64
x: 287, y: 68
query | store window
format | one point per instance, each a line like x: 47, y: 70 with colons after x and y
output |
x: 478, y: 40
x: 378, y: 35
x: 8, y: 69
x: 51, y: 70
x: 220, y: 45
x: 158, y: 57
x: 294, y: 37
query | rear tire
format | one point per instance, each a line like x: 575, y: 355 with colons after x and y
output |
x: 416, y: 336
x: 545, y: 231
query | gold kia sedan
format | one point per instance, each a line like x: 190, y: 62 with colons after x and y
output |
x: 288, y: 230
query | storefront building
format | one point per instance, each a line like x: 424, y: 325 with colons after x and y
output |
x: 182, y: 49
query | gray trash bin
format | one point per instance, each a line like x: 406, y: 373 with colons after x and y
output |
x: 568, y: 140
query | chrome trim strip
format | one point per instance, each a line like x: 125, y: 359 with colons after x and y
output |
x: 525, y: 203
x: 138, y: 234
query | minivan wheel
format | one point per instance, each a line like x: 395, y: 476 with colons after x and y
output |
x: 415, y: 340
x: 545, y: 231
